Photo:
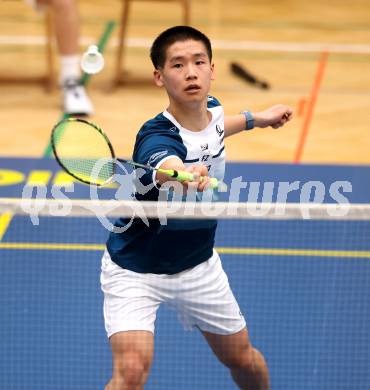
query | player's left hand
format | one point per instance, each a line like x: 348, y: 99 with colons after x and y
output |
x: 275, y: 116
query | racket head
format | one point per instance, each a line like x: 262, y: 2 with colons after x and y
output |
x: 84, y: 151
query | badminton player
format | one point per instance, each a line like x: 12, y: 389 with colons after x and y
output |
x: 66, y: 23
x: 177, y: 263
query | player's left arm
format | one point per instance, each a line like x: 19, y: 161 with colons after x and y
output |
x: 275, y: 117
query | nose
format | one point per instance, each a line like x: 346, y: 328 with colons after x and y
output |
x: 190, y: 72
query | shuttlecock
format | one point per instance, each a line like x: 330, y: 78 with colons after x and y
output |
x: 92, y: 61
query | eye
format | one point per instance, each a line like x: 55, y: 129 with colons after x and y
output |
x: 177, y: 66
x: 200, y: 62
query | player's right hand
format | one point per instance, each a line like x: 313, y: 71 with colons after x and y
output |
x: 202, y: 180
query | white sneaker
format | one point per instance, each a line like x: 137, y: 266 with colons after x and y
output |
x: 75, y: 99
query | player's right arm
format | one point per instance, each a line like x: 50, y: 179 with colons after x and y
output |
x: 199, y: 171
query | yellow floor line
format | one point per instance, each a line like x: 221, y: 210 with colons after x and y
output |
x: 5, y: 220
x: 294, y: 252
x: 221, y: 250
x: 51, y: 246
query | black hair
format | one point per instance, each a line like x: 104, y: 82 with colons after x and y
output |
x: 172, y: 35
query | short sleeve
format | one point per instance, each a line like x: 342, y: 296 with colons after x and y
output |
x: 154, y: 147
x: 212, y: 102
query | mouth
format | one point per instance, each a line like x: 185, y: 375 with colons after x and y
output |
x: 192, y: 88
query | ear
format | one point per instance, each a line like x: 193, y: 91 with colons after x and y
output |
x: 158, y: 78
x: 213, y: 73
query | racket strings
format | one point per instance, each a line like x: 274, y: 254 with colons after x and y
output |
x: 83, y: 151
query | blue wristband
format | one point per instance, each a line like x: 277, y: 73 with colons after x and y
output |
x: 249, y: 121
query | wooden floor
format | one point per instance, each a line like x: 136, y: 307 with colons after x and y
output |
x: 278, y: 41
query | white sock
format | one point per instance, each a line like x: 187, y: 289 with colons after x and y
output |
x: 69, y: 68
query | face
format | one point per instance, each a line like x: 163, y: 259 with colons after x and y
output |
x: 187, y: 72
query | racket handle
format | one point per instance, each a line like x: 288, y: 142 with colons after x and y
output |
x: 214, y: 183
x: 188, y: 176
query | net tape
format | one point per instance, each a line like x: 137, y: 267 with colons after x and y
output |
x: 175, y: 209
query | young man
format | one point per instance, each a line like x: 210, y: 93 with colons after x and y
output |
x: 66, y: 21
x: 145, y: 266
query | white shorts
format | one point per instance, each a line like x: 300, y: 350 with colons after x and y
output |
x: 201, y: 296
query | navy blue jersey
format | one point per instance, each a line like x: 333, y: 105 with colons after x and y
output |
x: 179, y: 244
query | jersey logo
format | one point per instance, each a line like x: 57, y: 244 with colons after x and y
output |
x: 205, y: 158
x: 157, y: 156
x: 173, y: 128
x: 204, y: 147
x: 219, y: 130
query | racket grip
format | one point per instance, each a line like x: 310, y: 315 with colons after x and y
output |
x: 183, y: 176
x: 214, y: 183
x: 187, y: 176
